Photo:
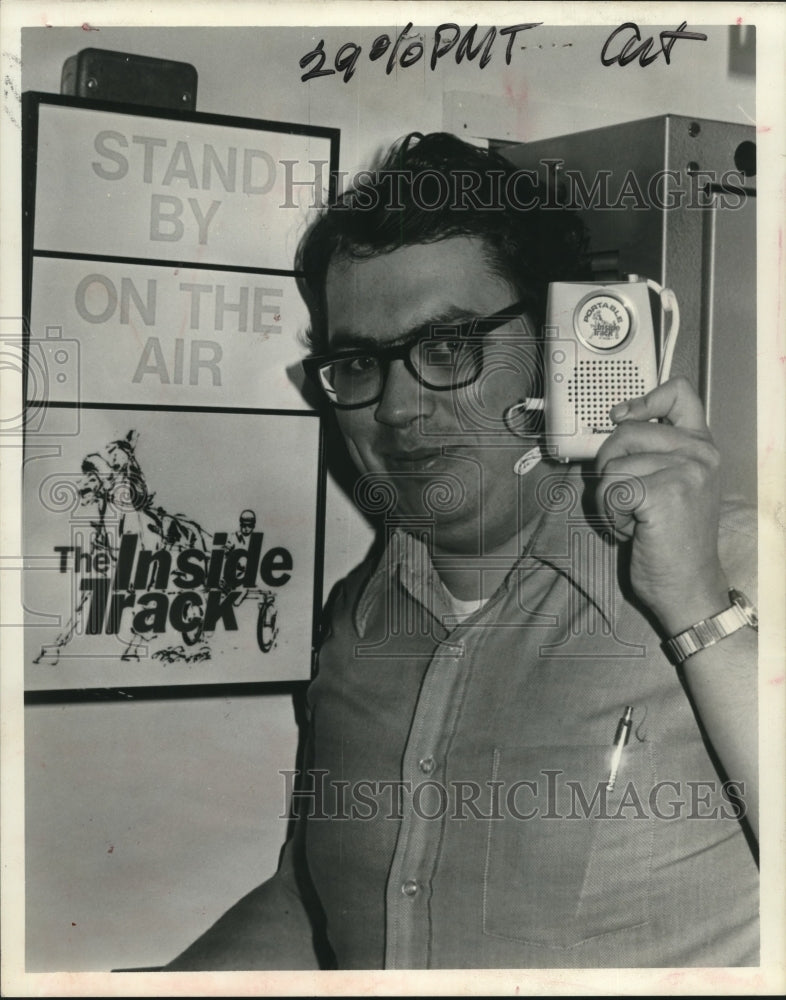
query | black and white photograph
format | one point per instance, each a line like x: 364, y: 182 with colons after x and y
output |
x: 392, y: 453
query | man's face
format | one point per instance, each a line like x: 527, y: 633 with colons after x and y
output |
x: 414, y: 436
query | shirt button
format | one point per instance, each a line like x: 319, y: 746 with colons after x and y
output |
x: 410, y: 887
x: 427, y: 764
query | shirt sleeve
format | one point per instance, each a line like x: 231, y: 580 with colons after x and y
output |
x: 278, y: 925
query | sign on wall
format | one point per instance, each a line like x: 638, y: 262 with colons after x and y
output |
x: 167, y: 543
x: 199, y: 188
x: 160, y: 549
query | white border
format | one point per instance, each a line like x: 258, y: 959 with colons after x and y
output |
x: 770, y: 978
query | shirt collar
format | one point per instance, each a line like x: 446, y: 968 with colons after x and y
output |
x: 406, y: 561
x: 562, y: 539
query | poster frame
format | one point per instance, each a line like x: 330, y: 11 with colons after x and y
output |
x: 32, y: 102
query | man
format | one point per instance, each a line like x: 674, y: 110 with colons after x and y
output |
x: 505, y: 769
x: 246, y: 524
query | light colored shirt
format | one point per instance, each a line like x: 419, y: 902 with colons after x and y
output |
x: 503, y: 729
x: 463, y: 819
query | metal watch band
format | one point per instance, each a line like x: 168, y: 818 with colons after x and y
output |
x: 711, y: 630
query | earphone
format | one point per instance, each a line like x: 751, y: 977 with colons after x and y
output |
x: 525, y: 405
x: 530, y: 458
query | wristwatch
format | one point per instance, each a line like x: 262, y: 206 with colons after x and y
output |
x: 711, y: 630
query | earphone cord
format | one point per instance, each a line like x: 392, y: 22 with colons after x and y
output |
x: 668, y: 339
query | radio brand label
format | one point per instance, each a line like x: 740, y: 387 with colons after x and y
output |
x: 602, y: 322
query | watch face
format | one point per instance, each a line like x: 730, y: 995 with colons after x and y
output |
x: 745, y: 606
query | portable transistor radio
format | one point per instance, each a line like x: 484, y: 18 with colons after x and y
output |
x: 599, y: 349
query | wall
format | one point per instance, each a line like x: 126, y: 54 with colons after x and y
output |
x: 549, y: 89
x: 146, y: 819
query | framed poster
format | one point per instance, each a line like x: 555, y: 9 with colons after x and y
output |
x: 163, y: 353
x: 159, y: 553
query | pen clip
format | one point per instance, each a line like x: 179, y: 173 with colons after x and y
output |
x: 624, y: 726
x: 620, y: 740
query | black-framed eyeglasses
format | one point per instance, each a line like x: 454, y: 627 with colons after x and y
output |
x: 441, y: 356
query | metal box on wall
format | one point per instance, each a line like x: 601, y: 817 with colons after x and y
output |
x: 105, y: 75
x: 674, y: 198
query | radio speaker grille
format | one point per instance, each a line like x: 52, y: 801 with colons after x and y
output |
x: 595, y: 386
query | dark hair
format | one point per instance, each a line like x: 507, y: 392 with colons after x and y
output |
x: 428, y: 188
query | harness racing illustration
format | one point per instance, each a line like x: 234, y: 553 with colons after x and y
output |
x: 166, y: 583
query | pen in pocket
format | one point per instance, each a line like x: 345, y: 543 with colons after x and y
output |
x: 620, y: 739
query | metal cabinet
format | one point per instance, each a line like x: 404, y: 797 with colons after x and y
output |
x: 674, y: 199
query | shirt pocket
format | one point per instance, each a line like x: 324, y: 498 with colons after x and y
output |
x: 562, y: 867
